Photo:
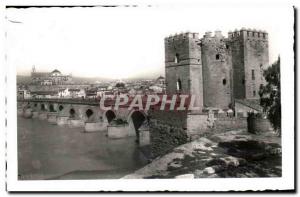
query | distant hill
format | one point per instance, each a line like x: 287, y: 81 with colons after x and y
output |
x: 25, y: 79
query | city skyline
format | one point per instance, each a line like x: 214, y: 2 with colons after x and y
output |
x: 117, y: 49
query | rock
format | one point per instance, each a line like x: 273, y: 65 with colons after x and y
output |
x: 218, y: 168
x: 231, y: 161
x: 224, y: 162
x: 213, y: 176
x: 174, y: 164
x: 242, y: 161
x: 257, y: 156
x: 214, y: 162
x: 198, y: 173
x: 209, y: 170
x: 275, y: 151
x: 185, y: 176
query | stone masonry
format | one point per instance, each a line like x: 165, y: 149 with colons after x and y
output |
x: 218, y: 69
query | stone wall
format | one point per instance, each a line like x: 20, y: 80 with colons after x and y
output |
x: 223, y: 124
x: 167, y: 130
x: 198, y: 124
x: 258, y: 124
x: 204, y: 123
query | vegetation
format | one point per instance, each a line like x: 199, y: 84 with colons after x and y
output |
x: 270, y: 95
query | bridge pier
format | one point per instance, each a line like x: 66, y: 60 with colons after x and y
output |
x: 74, y: 123
x: 52, y: 117
x: 144, y: 137
x: 27, y: 113
x: 118, y: 131
x: 20, y: 112
x: 62, y: 120
x: 35, y: 114
x: 95, y: 126
x: 131, y: 129
x: 43, y: 115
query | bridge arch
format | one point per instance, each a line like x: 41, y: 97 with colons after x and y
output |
x: 89, y: 113
x: 61, y: 107
x: 137, y: 119
x: 72, y: 113
x: 51, y: 108
x: 43, y: 107
x: 109, y: 115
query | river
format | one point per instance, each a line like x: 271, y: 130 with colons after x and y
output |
x: 47, y: 151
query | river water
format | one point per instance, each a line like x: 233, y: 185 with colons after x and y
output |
x: 48, y: 151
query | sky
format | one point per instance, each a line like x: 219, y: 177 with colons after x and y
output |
x: 120, y: 42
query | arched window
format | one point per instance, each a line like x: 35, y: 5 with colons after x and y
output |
x: 217, y: 56
x: 224, y: 81
x: 176, y: 60
x: 179, y: 85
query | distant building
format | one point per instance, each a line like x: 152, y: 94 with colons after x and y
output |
x: 160, y: 81
x: 44, y: 94
x: 77, y: 93
x: 159, y: 86
x: 23, y: 94
x: 49, y: 78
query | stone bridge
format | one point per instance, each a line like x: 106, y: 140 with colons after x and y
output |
x: 88, y: 115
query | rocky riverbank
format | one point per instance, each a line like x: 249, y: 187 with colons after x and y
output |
x: 229, y: 154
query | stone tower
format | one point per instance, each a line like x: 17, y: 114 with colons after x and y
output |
x: 183, y: 66
x: 217, y: 71
x: 250, y: 55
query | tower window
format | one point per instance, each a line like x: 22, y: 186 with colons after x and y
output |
x: 176, y: 60
x: 254, y: 93
x: 253, y: 74
x: 179, y: 85
x: 217, y: 56
x: 224, y: 81
x: 243, y: 81
x: 227, y: 46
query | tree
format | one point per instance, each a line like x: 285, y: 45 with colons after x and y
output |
x: 270, y: 95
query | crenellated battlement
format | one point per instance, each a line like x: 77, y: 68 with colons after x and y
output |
x: 248, y: 33
x: 182, y: 36
x: 217, y: 34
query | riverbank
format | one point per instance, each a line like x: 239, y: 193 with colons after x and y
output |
x: 229, y: 154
